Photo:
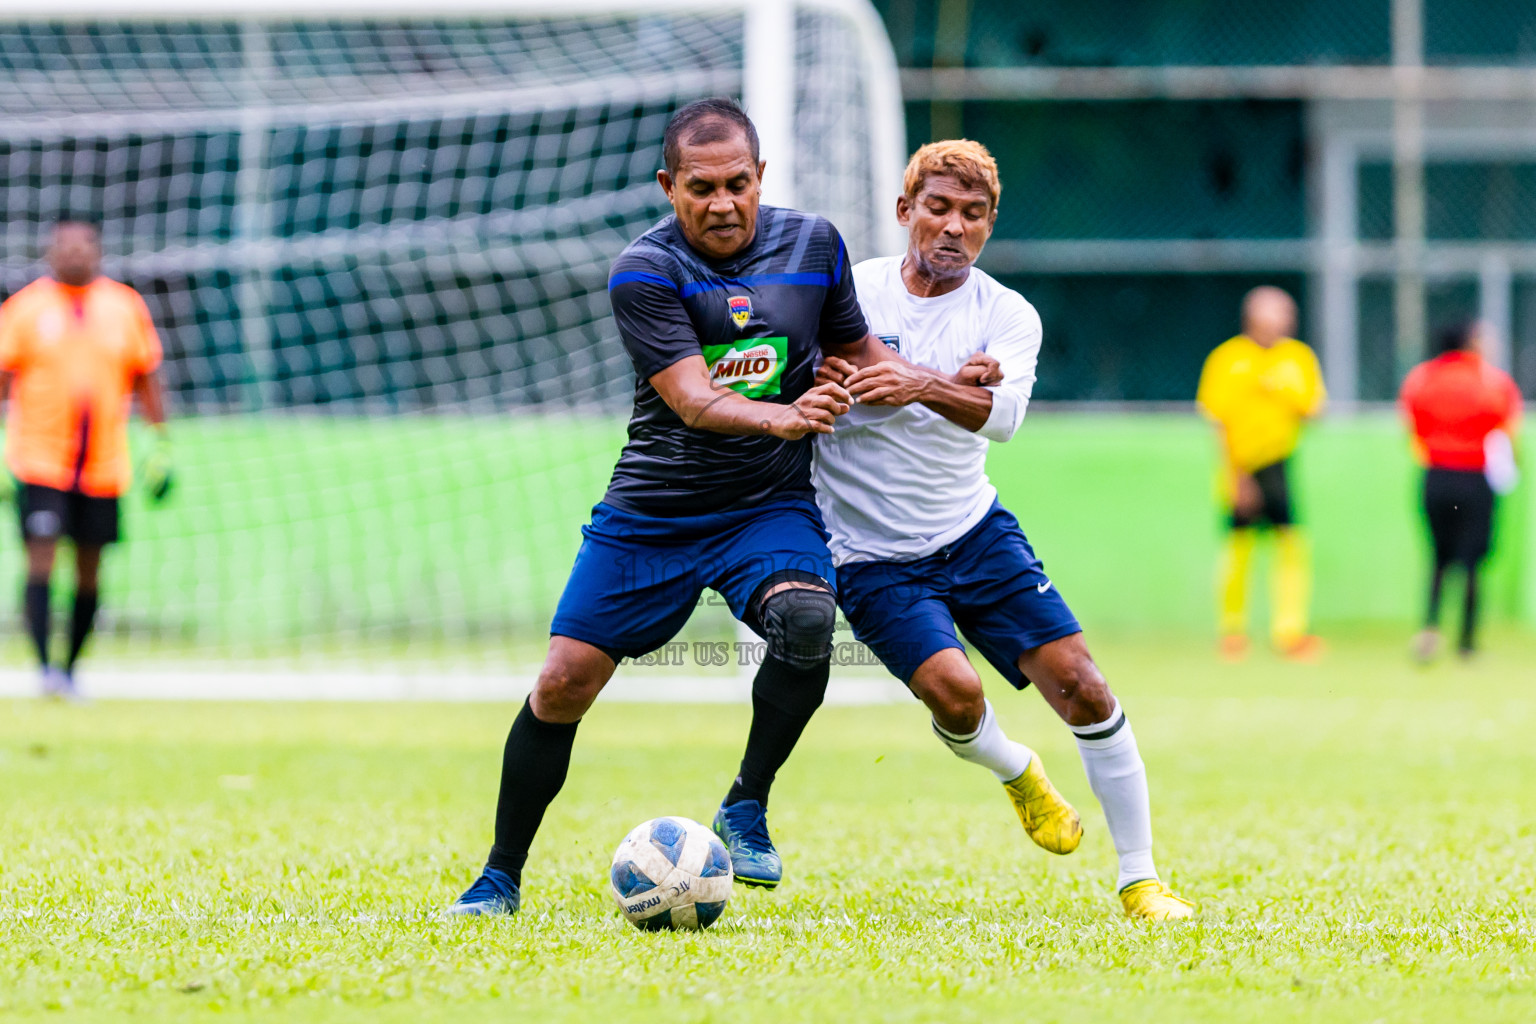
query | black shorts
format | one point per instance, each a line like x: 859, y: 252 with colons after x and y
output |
x: 1459, y: 507
x: 48, y: 514
x: 1275, y: 509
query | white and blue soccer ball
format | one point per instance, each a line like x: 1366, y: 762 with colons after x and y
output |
x: 671, y: 873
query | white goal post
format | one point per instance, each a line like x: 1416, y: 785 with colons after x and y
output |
x: 375, y: 238
x: 775, y: 83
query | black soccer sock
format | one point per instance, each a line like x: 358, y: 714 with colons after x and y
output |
x: 533, y: 769
x: 81, y: 622
x: 35, y: 601
x: 783, y: 701
x: 1436, y: 587
x: 1469, y: 612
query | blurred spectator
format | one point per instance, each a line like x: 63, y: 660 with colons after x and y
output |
x: 1258, y: 388
x: 74, y: 348
x: 1463, y: 413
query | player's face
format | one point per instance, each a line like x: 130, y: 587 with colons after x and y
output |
x: 715, y: 195
x: 1269, y: 315
x: 75, y: 255
x: 948, y: 224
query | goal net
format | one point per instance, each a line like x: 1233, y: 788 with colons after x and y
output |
x: 375, y: 239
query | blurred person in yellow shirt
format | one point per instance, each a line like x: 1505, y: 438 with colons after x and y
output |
x: 1258, y: 389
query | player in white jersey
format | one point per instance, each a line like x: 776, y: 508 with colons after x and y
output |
x: 921, y: 544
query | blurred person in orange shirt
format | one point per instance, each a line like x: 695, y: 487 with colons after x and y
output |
x: 1463, y: 413
x: 75, y: 347
x: 1258, y: 389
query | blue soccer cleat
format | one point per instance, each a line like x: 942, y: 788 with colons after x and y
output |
x: 743, y: 828
x: 494, y: 892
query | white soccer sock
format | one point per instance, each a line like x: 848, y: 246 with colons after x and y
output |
x: 988, y: 747
x: 1119, y: 780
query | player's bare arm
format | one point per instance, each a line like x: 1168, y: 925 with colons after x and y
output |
x: 686, y: 388
x: 980, y: 369
x: 885, y: 378
x: 146, y: 386
x: 1247, y: 498
x: 896, y: 384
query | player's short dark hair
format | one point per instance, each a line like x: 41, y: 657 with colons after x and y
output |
x: 1454, y: 337
x: 704, y: 121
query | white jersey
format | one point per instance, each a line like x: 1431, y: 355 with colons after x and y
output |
x: 895, y: 484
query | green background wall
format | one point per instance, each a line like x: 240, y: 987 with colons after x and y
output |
x: 438, y: 536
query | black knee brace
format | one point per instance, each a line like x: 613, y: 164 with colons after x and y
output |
x: 798, y: 624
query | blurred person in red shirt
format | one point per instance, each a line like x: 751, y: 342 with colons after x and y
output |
x: 1463, y: 413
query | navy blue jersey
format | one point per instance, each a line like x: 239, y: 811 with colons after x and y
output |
x: 758, y: 319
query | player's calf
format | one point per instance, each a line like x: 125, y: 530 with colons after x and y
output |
x: 1069, y: 680
x: 1072, y: 684
x: 797, y: 620
x: 533, y: 768
x: 964, y: 722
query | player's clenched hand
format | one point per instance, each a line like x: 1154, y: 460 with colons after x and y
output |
x: 812, y: 413
x: 890, y: 383
x: 835, y: 371
x: 981, y: 370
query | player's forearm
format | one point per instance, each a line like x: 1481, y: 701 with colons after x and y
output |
x: 726, y: 412
x: 151, y: 399
x: 867, y: 352
x: 962, y: 404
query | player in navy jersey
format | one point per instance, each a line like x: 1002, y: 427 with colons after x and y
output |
x: 723, y: 308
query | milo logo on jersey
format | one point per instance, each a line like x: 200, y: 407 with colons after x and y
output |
x: 752, y: 366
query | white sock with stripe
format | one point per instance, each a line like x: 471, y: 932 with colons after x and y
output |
x: 1119, y: 780
x: 988, y: 747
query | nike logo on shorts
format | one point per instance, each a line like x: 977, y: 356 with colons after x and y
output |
x: 1041, y: 588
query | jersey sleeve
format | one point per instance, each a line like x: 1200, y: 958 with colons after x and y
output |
x: 1013, y: 339
x: 648, y: 308
x: 12, y: 339
x: 1513, y: 402
x: 147, y: 352
x: 1211, y: 395
x: 1312, y: 395
x: 842, y: 319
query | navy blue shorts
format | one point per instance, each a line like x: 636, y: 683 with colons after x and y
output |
x: 638, y: 578
x: 988, y: 582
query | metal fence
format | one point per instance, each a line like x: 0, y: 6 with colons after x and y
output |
x: 1376, y: 156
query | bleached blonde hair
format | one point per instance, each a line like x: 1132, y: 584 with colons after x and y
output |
x: 966, y: 161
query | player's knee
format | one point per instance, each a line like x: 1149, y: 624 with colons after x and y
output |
x: 564, y: 692
x: 958, y: 706
x: 956, y: 700
x: 797, y: 625
x: 1085, y: 693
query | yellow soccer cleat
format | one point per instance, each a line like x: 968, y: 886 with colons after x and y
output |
x: 1050, y: 821
x: 1153, y: 901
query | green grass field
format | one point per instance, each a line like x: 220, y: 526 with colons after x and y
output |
x: 1359, y: 835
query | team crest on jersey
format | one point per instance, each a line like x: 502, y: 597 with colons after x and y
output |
x: 892, y: 341
x: 741, y: 309
x: 753, y: 367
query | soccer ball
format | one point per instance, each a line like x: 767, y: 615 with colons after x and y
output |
x: 671, y: 873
